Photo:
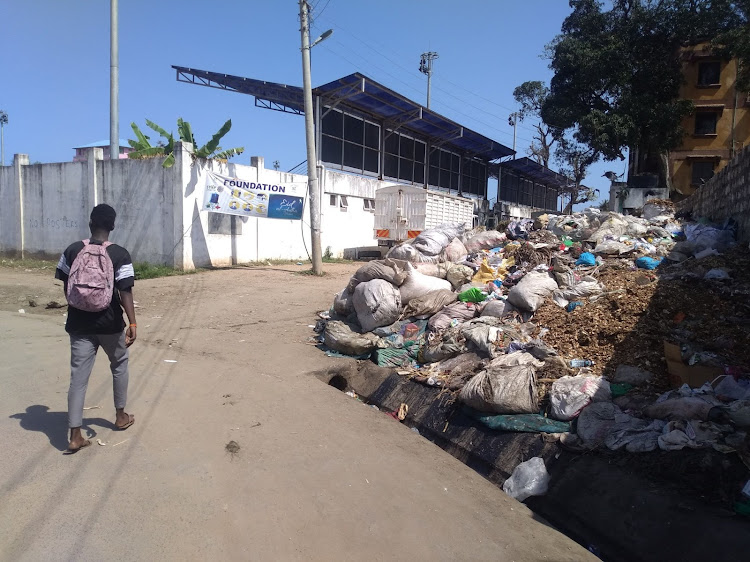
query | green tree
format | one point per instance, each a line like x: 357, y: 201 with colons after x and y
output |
x: 144, y: 149
x: 735, y: 42
x: 618, y: 73
x: 531, y: 96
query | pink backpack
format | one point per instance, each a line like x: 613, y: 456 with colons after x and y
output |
x: 92, y: 278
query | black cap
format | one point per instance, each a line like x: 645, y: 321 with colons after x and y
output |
x: 103, y: 216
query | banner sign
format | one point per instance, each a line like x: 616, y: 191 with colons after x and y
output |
x: 233, y: 196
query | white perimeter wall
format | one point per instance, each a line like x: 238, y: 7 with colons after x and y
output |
x: 46, y: 207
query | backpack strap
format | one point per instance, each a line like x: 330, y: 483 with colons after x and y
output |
x: 106, y: 243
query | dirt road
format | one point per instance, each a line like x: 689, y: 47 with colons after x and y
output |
x: 223, y: 356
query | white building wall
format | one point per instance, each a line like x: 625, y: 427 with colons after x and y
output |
x: 160, y: 217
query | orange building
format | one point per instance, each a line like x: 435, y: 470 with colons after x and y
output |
x: 718, y: 127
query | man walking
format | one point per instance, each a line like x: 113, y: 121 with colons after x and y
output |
x: 98, y: 279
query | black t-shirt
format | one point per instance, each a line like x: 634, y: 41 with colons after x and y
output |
x: 108, y: 321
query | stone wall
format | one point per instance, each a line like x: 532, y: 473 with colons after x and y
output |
x: 725, y: 196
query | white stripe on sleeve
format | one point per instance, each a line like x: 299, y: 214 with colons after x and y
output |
x: 124, y: 272
x: 63, y: 266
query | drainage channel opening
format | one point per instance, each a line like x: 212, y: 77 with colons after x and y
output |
x: 338, y: 382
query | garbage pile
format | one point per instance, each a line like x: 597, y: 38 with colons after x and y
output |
x: 617, y: 332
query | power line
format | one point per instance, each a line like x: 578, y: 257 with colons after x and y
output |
x: 419, y: 91
x: 374, y: 48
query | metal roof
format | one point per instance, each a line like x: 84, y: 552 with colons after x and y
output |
x: 269, y: 95
x: 102, y: 144
x: 366, y: 95
x: 535, y: 171
x: 362, y: 94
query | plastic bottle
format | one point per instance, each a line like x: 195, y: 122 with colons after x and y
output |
x: 575, y: 363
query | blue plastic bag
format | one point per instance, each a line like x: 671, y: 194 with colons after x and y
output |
x: 586, y: 258
x: 647, y: 262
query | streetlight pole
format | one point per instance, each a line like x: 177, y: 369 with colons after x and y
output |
x: 513, y: 122
x: 3, y: 122
x: 114, y: 83
x: 425, y: 67
x: 312, y: 160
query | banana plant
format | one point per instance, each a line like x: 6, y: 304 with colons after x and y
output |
x: 144, y: 149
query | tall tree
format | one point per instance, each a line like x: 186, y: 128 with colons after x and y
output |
x: 531, y: 96
x: 618, y: 72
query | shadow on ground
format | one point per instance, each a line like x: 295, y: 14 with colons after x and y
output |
x: 55, y: 424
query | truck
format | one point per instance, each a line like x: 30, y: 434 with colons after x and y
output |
x: 402, y: 212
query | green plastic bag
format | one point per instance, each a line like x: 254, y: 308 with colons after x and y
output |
x: 523, y: 423
x: 472, y: 295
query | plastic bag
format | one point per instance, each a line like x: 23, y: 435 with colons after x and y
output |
x: 503, y: 390
x: 433, y: 241
x: 688, y: 408
x: 377, y: 303
x: 647, y: 263
x: 340, y: 337
x: 587, y: 259
x: 407, y: 252
x: 459, y: 274
x: 570, y: 395
x: 586, y: 288
x: 522, y: 423
x: 612, y: 247
x: 529, y: 478
x: 704, y: 236
x: 485, y: 274
x: 429, y: 304
x: 457, y: 311
x: 483, y: 334
x: 472, y: 295
x: 531, y: 290
x: 455, y: 251
x: 343, y: 304
x: 439, y: 270
x: 719, y: 274
x: 391, y: 270
x: 418, y: 285
x: 498, y: 309
x: 485, y: 241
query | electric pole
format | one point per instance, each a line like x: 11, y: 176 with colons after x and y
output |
x: 114, y: 84
x: 3, y: 122
x: 312, y: 160
x: 425, y: 67
x: 513, y: 122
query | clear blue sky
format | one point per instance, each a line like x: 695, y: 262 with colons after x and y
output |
x: 55, y: 66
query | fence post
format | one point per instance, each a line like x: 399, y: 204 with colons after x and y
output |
x: 20, y: 160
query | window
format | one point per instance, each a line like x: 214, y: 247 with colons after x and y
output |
x: 333, y: 200
x: 709, y: 73
x: 369, y: 205
x: 444, y: 169
x: 705, y: 122
x: 473, y: 177
x: 404, y: 158
x: 702, y: 171
x: 343, y: 203
x: 350, y: 142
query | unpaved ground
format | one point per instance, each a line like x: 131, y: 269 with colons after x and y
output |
x: 317, y: 476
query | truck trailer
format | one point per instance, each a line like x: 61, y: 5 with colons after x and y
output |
x: 402, y: 212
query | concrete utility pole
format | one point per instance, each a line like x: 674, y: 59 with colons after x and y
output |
x: 513, y: 122
x: 425, y: 67
x: 3, y: 122
x: 312, y: 160
x: 114, y: 84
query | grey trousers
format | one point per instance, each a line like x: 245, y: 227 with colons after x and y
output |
x: 82, y: 356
